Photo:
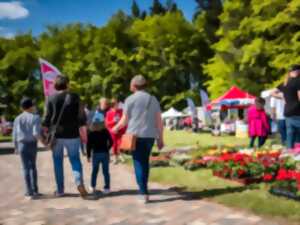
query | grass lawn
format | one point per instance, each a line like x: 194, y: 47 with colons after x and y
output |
x: 183, y: 138
x: 254, y: 198
x: 5, y: 138
x: 201, y: 183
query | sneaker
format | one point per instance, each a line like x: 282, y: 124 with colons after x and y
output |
x: 106, y: 191
x: 59, y: 195
x: 37, y: 194
x: 92, y: 189
x: 83, y: 193
x: 29, y: 197
x: 144, y: 199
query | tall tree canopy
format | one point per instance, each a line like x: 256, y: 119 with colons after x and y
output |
x: 258, y: 40
x: 248, y: 43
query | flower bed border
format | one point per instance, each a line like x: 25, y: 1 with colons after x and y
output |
x: 284, y: 193
x: 244, y: 181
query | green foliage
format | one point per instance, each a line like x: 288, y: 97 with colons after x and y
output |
x: 257, y: 42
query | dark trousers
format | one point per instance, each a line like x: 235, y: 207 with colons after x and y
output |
x: 141, y: 164
x: 282, y: 130
x: 261, y: 141
x: 103, y: 159
x: 28, y: 152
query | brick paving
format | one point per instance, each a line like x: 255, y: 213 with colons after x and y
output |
x: 121, y: 207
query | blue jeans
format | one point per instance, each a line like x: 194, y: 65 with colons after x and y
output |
x: 28, y: 152
x: 73, y: 147
x: 102, y: 158
x: 282, y: 130
x: 293, y: 131
x: 141, y: 162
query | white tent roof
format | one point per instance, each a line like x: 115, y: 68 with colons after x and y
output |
x: 172, y: 113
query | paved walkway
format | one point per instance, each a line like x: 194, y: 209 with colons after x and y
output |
x: 122, y: 207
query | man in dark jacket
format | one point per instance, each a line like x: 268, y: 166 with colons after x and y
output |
x: 67, y: 133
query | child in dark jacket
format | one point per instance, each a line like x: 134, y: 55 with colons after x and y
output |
x: 98, y: 146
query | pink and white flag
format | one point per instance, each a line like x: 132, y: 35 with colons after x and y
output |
x: 49, y: 73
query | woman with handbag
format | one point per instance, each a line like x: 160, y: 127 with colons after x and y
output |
x: 142, y: 115
x: 63, y: 121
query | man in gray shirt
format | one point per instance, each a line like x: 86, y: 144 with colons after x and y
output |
x: 26, y: 132
x: 142, y: 114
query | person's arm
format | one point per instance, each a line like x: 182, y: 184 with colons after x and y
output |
x: 121, y: 124
x: 37, y: 128
x: 109, y: 140
x: 160, y: 126
x: 82, y: 123
x: 89, y: 147
x: 49, y: 114
x: 273, y: 108
x: 15, y: 135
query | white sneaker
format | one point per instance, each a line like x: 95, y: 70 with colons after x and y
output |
x: 106, y: 191
x: 29, y: 197
x: 92, y: 189
x: 144, y: 199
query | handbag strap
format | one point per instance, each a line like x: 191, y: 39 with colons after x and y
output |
x: 145, y: 112
x: 67, y: 99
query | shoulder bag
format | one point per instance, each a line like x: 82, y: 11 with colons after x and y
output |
x: 128, y: 141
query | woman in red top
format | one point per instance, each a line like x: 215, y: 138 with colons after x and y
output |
x: 113, y: 116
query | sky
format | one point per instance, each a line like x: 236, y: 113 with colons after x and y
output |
x: 34, y: 15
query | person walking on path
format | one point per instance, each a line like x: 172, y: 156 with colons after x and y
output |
x: 102, y: 109
x: 258, y: 123
x: 291, y: 94
x: 113, y: 116
x: 67, y: 133
x: 142, y: 114
x: 98, y: 146
x: 26, y: 133
x: 277, y: 106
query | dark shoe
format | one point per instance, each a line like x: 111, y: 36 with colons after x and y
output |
x: 83, y: 193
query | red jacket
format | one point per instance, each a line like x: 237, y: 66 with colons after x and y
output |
x: 112, y: 118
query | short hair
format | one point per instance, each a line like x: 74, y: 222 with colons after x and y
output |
x: 139, y: 82
x: 61, y: 83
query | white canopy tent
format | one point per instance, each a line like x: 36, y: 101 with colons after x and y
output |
x: 172, y: 113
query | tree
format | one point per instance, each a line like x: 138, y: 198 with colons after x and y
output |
x: 18, y: 61
x: 135, y: 10
x: 257, y: 43
x: 209, y: 11
x: 171, y: 6
x: 157, y: 8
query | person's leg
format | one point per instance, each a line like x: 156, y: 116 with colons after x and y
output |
x: 261, y: 141
x: 33, y: 169
x: 105, y: 170
x: 252, y: 140
x: 115, y: 148
x: 73, y: 148
x: 149, y: 145
x: 95, y: 169
x: 282, y: 130
x: 58, y: 161
x: 290, y: 133
x: 23, y: 149
x: 141, y: 163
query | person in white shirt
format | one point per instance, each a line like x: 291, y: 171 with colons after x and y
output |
x: 277, y: 106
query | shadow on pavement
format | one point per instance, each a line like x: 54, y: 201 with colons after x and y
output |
x: 184, y: 195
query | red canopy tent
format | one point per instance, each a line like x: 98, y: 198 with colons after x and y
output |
x: 234, y: 98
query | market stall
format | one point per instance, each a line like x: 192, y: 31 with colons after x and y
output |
x: 234, y: 98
